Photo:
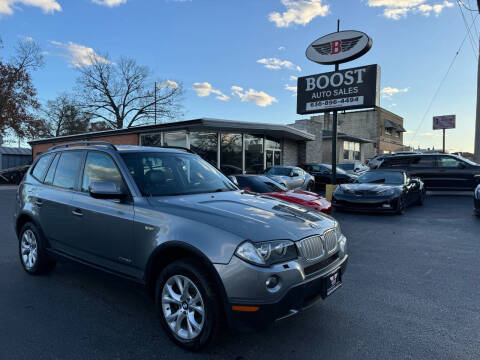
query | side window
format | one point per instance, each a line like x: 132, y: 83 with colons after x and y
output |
x: 423, y: 162
x: 101, y: 167
x: 396, y: 163
x: 448, y: 162
x: 51, y: 170
x: 41, y: 166
x: 67, y: 169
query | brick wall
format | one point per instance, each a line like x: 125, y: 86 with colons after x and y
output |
x: 290, y: 153
x: 311, y: 151
x: 126, y: 139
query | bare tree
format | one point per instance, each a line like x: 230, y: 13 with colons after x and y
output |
x: 122, y: 94
x: 62, y: 116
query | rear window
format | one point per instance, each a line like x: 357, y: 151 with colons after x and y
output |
x: 67, y: 169
x: 41, y: 166
x: 423, y: 162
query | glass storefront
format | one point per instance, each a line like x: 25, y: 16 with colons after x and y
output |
x: 231, y: 154
x: 154, y: 139
x: 205, y: 145
x: 253, y: 154
x: 175, y: 138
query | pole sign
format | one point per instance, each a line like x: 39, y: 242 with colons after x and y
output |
x: 444, y: 122
x: 346, y: 89
x: 339, y: 47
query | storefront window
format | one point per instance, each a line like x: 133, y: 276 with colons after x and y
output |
x: 272, y: 144
x: 351, y: 150
x: 253, y: 154
x: 231, y: 154
x: 177, y: 138
x: 151, y: 139
x: 205, y: 145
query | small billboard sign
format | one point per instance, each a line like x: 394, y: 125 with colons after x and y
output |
x: 346, y: 89
x: 444, y: 122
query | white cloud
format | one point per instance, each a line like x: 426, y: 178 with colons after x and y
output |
x: 169, y: 84
x: 80, y: 55
x: 293, y: 89
x: 431, y: 134
x: 205, y: 89
x: 388, y: 92
x: 397, y: 9
x: 47, y: 6
x: 276, y: 64
x: 299, y: 12
x: 109, y: 3
x: 293, y: 78
x: 281, y: 48
x: 260, y: 98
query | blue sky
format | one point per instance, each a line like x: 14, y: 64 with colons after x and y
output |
x: 242, y: 56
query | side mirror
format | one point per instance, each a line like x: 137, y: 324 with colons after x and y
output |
x: 105, y: 190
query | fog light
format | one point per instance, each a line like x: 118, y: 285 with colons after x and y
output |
x: 273, y: 283
x: 386, y: 206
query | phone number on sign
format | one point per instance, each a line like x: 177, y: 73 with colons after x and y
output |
x: 318, y: 105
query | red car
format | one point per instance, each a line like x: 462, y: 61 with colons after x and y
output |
x: 266, y: 186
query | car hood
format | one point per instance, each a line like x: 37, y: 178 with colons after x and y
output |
x: 297, y: 194
x: 368, y: 188
x: 247, y: 215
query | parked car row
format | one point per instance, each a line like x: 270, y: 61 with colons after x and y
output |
x: 13, y: 176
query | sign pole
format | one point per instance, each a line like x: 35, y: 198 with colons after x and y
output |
x: 444, y: 141
x: 335, y: 132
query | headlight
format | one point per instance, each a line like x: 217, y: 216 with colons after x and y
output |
x: 268, y: 252
x: 338, y: 231
x: 387, y: 192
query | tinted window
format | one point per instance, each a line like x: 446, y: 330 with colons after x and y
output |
x: 41, y: 166
x: 448, y: 162
x: 396, y: 163
x: 280, y: 171
x: 259, y: 184
x: 51, y: 170
x: 423, y: 162
x: 101, y: 167
x: 160, y: 174
x: 67, y: 169
x: 374, y: 177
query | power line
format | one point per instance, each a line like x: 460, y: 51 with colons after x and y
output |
x: 470, y: 37
x: 467, y: 7
x: 441, y: 83
x: 474, y: 26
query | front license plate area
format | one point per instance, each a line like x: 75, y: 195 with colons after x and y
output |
x: 333, y: 281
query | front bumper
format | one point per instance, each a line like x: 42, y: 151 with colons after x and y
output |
x: 365, y: 204
x: 301, y: 287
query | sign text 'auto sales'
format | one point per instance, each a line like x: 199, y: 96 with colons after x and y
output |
x: 345, y: 89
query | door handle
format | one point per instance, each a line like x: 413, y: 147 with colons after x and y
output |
x: 77, y: 212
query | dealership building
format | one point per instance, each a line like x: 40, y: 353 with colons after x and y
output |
x: 250, y: 147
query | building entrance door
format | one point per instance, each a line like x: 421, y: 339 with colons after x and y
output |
x: 272, y: 158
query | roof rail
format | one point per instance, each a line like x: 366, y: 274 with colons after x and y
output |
x: 83, y: 143
x: 180, y: 148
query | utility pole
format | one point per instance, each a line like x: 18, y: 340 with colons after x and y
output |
x: 155, y: 100
x: 335, y: 132
x: 476, y: 155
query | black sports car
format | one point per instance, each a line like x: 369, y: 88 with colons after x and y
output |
x: 380, y: 190
x: 476, y: 200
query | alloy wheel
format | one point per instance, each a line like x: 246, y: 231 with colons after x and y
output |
x: 183, y: 307
x: 29, y: 249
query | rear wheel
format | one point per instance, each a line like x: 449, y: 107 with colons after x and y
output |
x: 188, y: 304
x: 33, y: 255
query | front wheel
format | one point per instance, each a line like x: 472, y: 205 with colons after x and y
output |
x: 421, y: 199
x: 401, y: 206
x: 188, y: 304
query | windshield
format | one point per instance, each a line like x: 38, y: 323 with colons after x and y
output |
x: 280, y: 171
x: 339, y: 170
x: 259, y: 184
x: 161, y: 174
x: 373, y: 177
x: 468, y: 161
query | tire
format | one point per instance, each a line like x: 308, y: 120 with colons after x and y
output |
x: 401, y: 206
x: 31, y: 249
x: 421, y: 199
x: 191, y: 335
x: 310, y: 186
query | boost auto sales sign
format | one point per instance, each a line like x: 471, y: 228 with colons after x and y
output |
x: 346, y: 89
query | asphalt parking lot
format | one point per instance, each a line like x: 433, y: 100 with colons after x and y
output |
x: 411, y: 292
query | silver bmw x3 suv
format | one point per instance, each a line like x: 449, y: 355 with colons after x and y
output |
x: 208, y: 253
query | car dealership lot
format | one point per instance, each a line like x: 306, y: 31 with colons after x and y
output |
x: 411, y: 291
